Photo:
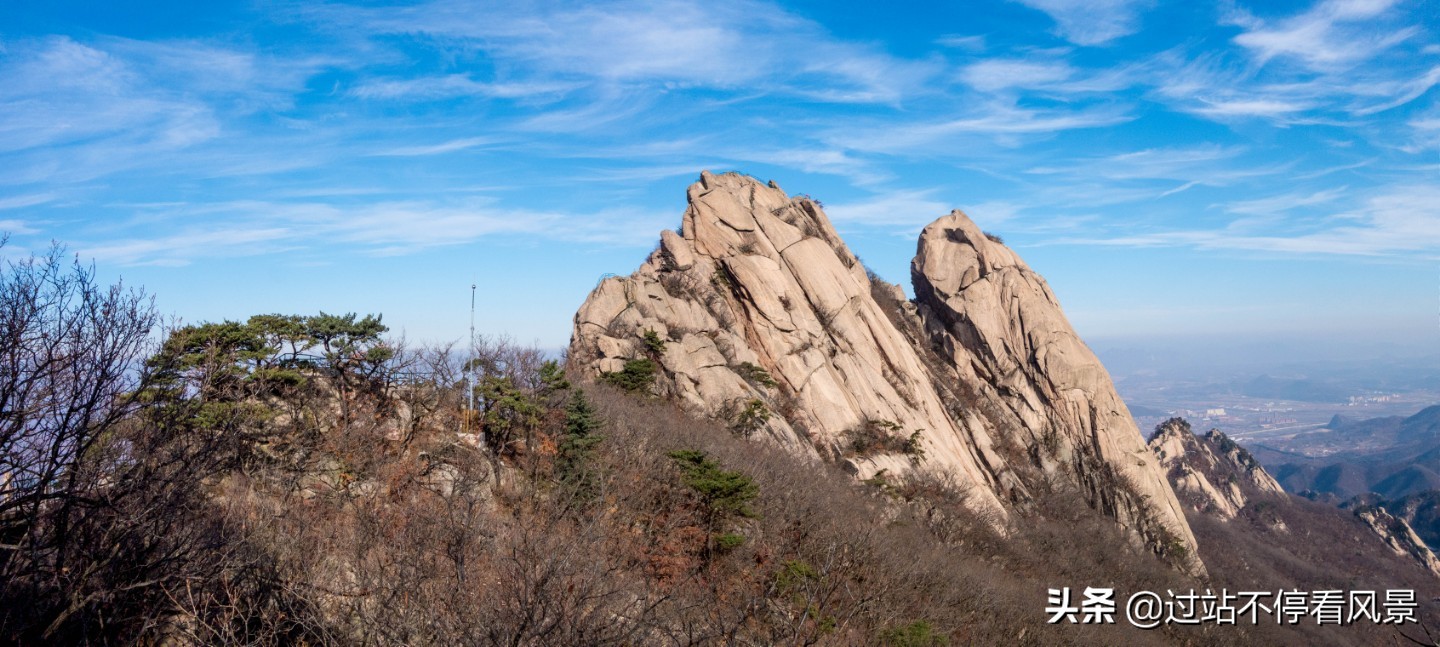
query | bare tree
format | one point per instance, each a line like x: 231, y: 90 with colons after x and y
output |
x: 68, y: 371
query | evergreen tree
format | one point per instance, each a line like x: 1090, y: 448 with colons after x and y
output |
x: 576, y: 443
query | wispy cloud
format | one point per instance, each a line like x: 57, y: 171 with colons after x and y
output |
x: 1393, y: 93
x: 437, y: 149
x: 1092, y: 22
x: 1277, y: 204
x: 1320, y: 66
x: 818, y: 160
x: 1206, y: 163
x: 971, y: 43
x: 457, y: 85
x: 679, y: 43
x: 13, y: 226
x: 388, y: 228
x: 1000, y: 74
x: 73, y: 111
x: 1424, y: 133
x: 57, y: 91
x: 22, y: 201
x: 1330, y: 34
x: 901, y: 210
x: 182, y: 248
x: 993, y: 212
x: 354, y: 130
x: 993, y: 120
x: 1397, y: 221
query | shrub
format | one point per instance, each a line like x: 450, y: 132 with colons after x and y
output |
x: 883, y: 437
x: 723, y: 493
x: 636, y: 377
x: 912, y: 448
x: 794, y: 573
x: 720, y: 280
x: 752, y: 417
x: 915, y: 634
x: 994, y: 238
x: 729, y: 541
x: 679, y: 283
x: 653, y: 343
x: 756, y: 375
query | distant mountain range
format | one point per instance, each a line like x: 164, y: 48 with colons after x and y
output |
x: 1391, y: 463
x: 1392, y: 456
x: 1298, y: 390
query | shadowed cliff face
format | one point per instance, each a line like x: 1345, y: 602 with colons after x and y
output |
x: 762, y: 318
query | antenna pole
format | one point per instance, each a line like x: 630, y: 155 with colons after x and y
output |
x: 470, y: 388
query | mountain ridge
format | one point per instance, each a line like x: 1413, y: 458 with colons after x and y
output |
x: 757, y: 314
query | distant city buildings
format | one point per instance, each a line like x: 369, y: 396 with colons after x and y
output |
x: 1362, y: 400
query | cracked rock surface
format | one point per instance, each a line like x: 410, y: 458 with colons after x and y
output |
x: 979, y: 381
x: 1212, y: 474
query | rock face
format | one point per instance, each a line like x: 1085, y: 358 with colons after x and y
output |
x: 761, y: 317
x: 1399, y: 536
x: 1212, y: 473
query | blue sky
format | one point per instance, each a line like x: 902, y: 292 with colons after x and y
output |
x: 1173, y: 168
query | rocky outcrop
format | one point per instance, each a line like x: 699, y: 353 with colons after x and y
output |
x: 1399, y: 536
x: 1003, y: 332
x: 757, y: 314
x: 1213, y: 474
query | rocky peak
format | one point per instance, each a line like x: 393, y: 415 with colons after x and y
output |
x: 757, y: 314
x: 1212, y: 473
x: 1398, y: 536
x: 1002, y: 330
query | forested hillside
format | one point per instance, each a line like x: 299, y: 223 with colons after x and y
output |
x: 305, y: 480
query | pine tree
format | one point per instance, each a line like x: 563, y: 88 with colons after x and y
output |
x: 577, y: 441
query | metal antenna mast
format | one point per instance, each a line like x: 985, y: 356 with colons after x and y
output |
x: 470, y: 388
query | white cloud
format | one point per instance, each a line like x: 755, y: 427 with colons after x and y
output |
x: 232, y: 80
x: 965, y: 43
x: 22, y: 201
x: 1205, y: 164
x: 1396, y: 92
x: 451, y: 146
x: 817, y: 160
x: 1277, y: 204
x: 1246, y: 107
x: 182, y: 248
x: 686, y: 43
x: 57, y: 92
x: 73, y: 111
x: 1000, y: 74
x: 994, y: 120
x: 1403, y: 220
x: 905, y: 210
x: 184, y: 233
x: 1092, y: 22
x: 1424, y: 133
x: 1324, y: 37
x: 993, y: 212
x: 1217, y: 87
x: 456, y: 85
x: 13, y: 226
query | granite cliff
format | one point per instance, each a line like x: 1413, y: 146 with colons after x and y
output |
x: 757, y: 314
x: 1214, y: 475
